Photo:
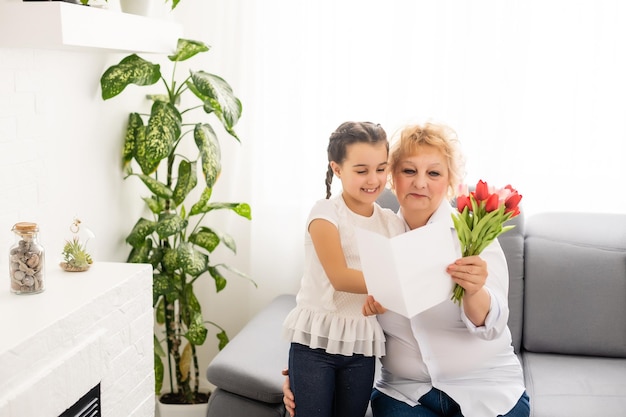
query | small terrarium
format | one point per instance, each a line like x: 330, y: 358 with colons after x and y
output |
x: 75, y: 255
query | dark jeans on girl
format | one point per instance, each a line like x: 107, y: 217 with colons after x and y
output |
x: 328, y: 385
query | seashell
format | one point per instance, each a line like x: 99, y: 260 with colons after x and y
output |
x: 25, y: 268
x: 19, y: 275
x: 28, y: 281
x: 33, y: 261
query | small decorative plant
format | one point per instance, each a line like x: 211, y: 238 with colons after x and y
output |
x: 75, y: 255
x: 173, y: 237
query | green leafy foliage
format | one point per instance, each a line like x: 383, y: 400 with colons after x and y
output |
x: 75, y: 254
x: 174, y: 240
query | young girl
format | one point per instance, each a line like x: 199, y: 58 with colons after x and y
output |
x: 333, y: 345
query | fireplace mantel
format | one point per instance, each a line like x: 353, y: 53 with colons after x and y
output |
x: 85, y: 328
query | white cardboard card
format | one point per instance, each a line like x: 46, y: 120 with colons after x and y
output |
x: 407, y: 273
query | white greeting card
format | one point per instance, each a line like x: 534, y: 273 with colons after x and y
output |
x: 407, y: 273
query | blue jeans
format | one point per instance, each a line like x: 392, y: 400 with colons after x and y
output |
x: 327, y: 385
x: 434, y: 403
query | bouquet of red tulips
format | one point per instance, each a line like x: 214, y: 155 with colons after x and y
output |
x: 480, y: 219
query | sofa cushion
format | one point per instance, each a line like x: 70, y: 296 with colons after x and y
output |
x: 244, y: 368
x: 223, y: 403
x: 575, y: 386
x: 575, y: 284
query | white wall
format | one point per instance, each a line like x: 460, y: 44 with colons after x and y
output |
x: 534, y: 89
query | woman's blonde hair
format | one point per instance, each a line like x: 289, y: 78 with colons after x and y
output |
x: 410, y: 138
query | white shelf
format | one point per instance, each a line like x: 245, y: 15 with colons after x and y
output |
x: 62, y: 25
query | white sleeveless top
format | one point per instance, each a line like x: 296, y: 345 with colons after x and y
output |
x: 329, y: 319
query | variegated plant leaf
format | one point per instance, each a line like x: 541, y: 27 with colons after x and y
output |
x: 202, y: 202
x: 197, y: 331
x: 242, y: 209
x: 142, y: 229
x: 205, y: 238
x: 220, y: 281
x: 190, y: 260
x: 162, y: 132
x: 210, y: 152
x: 162, y: 285
x: 218, y: 97
x: 186, y: 48
x: 140, y: 253
x: 223, y: 339
x: 169, y: 224
x: 134, y: 131
x: 131, y: 70
x: 154, y: 204
x: 170, y: 260
x: 157, y: 188
x: 187, y: 181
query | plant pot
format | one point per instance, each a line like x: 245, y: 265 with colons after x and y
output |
x: 139, y: 7
x: 182, y: 410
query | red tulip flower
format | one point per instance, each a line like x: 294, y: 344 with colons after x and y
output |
x: 463, y: 201
x: 480, y: 218
x: 482, y: 191
x: 492, y: 203
x: 512, y: 202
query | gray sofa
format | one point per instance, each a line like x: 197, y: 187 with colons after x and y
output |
x: 567, y: 303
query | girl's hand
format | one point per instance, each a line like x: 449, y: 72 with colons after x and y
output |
x: 470, y: 273
x: 372, y: 307
x: 288, y: 399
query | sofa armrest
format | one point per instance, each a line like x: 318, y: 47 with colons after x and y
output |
x: 251, y: 363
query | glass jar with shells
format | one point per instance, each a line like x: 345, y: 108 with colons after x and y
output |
x: 26, y: 260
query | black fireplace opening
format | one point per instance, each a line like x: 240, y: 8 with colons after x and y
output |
x: 87, y: 406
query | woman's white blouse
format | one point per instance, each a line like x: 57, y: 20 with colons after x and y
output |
x: 326, y: 318
x: 441, y: 348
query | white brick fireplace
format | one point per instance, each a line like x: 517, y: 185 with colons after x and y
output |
x: 86, y: 328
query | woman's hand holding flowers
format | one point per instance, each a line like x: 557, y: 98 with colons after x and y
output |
x: 469, y: 272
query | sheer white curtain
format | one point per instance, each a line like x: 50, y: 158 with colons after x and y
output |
x: 535, y: 90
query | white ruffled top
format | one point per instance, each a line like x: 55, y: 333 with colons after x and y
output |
x: 329, y: 319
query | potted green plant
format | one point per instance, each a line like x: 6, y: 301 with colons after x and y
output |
x: 173, y: 238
